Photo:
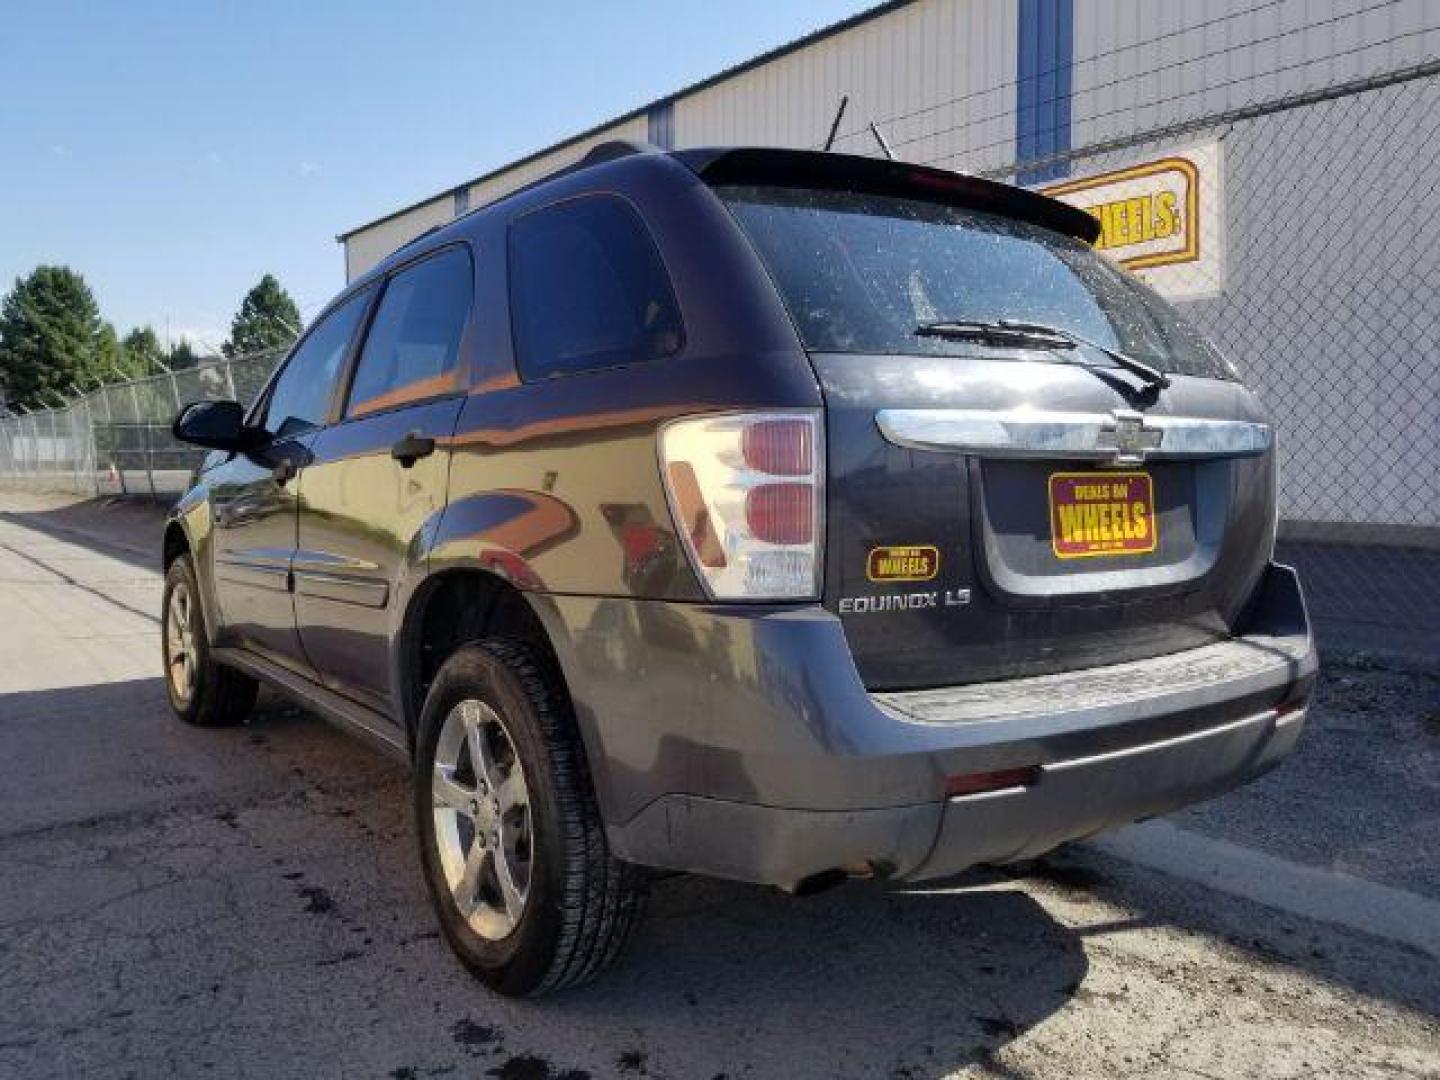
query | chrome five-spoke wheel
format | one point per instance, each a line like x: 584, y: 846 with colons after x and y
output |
x: 180, y: 657
x: 483, y: 830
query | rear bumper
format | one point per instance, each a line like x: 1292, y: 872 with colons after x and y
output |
x: 742, y: 744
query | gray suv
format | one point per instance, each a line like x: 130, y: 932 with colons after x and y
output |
x: 780, y: 516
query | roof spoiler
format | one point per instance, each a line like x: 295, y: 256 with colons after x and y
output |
x: 850, y: 172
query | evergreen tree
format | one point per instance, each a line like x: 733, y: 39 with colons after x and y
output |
x: 267, y: 319
x: 182, y: 356
x: 51, y: 335
x: 141, y: 350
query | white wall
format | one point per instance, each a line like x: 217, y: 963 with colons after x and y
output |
x: 938, y: 77
x: 1141, y: 64
x: 366, y: 247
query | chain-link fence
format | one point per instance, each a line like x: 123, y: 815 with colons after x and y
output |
x: 116, y: 440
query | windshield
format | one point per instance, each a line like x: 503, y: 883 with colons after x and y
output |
x: 863, y: 273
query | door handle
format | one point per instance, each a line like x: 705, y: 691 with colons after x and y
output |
x: 411, y: 448
x: 284, y: 472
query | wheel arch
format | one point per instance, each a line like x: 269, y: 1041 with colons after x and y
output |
x: 176, y: 543
x: 451, y: 608
x: 463, y: 604
x: 180, y: 538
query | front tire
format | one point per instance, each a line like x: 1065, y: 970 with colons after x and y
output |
x: 201, y: 692
x: 511, y: 842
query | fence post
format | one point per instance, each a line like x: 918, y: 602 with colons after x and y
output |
x: 90, y: 447
x: 54, y: 444
x: 135, y: 409
x: 6, y: 427
x: 110, y: 426
x: 149, y: 459
x: 34, y: 450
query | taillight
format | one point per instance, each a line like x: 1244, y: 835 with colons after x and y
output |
x: 746, y: 492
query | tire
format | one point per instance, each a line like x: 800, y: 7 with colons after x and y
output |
x: 207, y: 694
x: 579, y: 906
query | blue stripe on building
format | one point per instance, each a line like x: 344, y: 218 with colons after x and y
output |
x: 1043, y: 68
x: 660, y: 125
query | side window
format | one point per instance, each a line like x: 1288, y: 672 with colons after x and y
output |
x: 300, y: 396
x: 413, y: 349
x: 588, y: 290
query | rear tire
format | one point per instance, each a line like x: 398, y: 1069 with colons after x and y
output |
x: 543, y: 842
x: 202, y: 692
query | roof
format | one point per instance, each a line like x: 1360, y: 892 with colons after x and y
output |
x: 783, y: 167
x: 822, y: 34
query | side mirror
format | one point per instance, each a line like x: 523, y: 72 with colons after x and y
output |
x: 217, y: 425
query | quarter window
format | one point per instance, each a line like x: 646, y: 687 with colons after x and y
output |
x: 300, y: 396
x: 413, y: 349
x: 588, y: 290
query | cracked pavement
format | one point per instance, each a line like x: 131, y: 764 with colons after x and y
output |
x: 176, y: 902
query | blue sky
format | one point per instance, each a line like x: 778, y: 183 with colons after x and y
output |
x: 174, y: 152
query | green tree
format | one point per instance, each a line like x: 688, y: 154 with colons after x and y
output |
x: 110, y: 359
x: 267, y: 319
x: 51, y: 335
x: 141, y: 351
x: 182, y: 356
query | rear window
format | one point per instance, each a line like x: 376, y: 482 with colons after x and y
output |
x: 588, y: 290
x: 860, y: 273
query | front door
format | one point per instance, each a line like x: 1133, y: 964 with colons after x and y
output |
x: 254, y: 496
x: 376, y: 481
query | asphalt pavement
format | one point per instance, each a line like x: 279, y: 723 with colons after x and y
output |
x: 248, y: 902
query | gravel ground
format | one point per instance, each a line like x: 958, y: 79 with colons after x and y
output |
x: 177, y: 902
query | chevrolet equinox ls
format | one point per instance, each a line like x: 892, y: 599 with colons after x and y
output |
x: 773, y: 515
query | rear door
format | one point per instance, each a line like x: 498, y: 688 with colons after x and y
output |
x: 997, y: 507
x: 376, y: 480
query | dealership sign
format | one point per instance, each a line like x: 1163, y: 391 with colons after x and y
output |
x: 1161, y: 218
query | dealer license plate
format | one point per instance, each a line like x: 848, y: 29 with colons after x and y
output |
x: 1102, y: 513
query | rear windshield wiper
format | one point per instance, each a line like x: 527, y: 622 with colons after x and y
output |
x: 1008, y: 332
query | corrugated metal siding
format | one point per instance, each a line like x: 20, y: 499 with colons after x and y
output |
x: 938, y: 77
x: 367, y: 247
x: 511, y: 179
x: 1141, y: 65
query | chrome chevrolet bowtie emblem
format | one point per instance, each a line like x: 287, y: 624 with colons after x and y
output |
x: 1126, y: 440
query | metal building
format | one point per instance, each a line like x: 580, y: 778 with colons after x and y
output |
x: 1268, y: 164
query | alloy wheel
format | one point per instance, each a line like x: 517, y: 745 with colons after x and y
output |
x: 181, y: 661
x: 483, y: 831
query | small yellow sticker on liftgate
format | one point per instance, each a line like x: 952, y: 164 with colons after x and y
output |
x: 912, y: 563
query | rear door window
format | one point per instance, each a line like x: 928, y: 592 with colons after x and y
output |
x: 299, y: 399
x: 413, y: 349
x: 588, y: 290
